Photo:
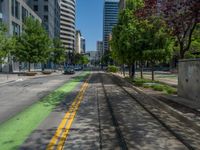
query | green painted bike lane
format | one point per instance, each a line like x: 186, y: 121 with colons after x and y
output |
x: 16, y: 130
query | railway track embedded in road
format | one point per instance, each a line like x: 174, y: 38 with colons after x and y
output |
x: 121, y: 138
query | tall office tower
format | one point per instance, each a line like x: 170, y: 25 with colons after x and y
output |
x: 110, y: 18
x: 67, y: 24
x: 83, y: 45
x: 78, y: 42
x: 49, y: 12
x: 100, y: 48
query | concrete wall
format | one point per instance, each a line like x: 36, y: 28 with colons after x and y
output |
x: 189, y: 79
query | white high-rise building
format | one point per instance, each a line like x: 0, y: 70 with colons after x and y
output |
x: 78, y: 42
x: 67, y: 23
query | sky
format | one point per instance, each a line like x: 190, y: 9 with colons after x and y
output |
x: 89, y: 20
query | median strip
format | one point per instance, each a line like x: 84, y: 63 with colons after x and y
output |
x: 16, y: 130
x: 62, y: 132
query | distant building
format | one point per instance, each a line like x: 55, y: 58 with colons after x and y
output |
x: 83, y: 45
x: 13, y: 13
x: 49, y: 12
x: 100, y: 49
x: 67, y: 24
x: 93, y: 56
x: 78, y: 42
x: 122, y: 4
x: 110, y: 18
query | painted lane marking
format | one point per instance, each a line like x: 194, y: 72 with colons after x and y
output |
x: 68, y: 126
x: 64, y: 127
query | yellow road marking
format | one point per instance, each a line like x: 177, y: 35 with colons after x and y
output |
x: 68, y: 126
x: 67, y: 121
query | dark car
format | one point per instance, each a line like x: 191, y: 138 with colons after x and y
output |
x: 69, y: 70
x: 78, y: 68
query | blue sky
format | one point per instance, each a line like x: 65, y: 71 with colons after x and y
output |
x: 89, y: 19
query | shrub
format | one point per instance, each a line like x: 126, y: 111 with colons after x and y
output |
x: 158, y: 87
x: 113, y: 69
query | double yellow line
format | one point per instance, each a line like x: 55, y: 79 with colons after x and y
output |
x: 59, y: 138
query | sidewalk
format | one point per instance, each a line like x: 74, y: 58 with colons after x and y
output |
x: 7, y: 78
x: 165, y: 77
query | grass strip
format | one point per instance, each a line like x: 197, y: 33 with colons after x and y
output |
x: 155, y: 85
x: 16, y: 130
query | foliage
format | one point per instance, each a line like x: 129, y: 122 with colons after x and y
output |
x: 34, y: 45
x: 58, y: 54
x: 107, y: 58
x: 140, y: 37
x: 181, y: 17
x: 113, y: 69
x: 81, y: 59
x: 7, y: 44
x: 155, y: 85
x: 194, y: 51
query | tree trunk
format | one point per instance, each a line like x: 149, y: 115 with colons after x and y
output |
x: 123, y: 67
x: 141, y: 70
x: 42, y: 67
x: 182, y: 52
x: 132, y: 75
x: 129, y: 70
x: 152, y: 72
x: 29, y: 66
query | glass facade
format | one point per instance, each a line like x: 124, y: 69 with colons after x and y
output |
x: 1, y: 15
x: 15, y: 28
x: 111, y: 9
x: 15, y: 9
x: 24, y: 14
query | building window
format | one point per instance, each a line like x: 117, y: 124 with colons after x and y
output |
x: 24, y: 14
x: 15, y: 28
x: 46, y: 8
x: 17, y: 8
x: 46, y: 18
x: 35, y: 7
x: 13, y: 8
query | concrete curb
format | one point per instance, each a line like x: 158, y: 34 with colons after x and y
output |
x: 167, y: 108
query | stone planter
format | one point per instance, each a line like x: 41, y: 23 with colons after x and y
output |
x: 46, y: 72
x: 30, y: 73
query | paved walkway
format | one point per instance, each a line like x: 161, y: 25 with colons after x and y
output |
x: 6, y: 78
x: 165, y: 77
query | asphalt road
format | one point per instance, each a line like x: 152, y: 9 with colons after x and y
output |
x: 107, y: 118
x: 15, y: 97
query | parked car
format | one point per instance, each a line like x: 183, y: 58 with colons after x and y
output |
x: 78, y: 68
x: 69, y: 70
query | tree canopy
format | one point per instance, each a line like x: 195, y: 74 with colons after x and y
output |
x: 34, y: 45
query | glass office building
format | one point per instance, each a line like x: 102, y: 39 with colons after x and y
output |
x: 110, y: 18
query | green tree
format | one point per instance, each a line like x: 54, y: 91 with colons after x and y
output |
x: 123, y: 36
x: 81, y: 59
x: 34, y: 45
x: 7, y: 44
x: 159, y: 44
x: 194, y: 51
x: 85, y: 60
x: 59, y: 53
